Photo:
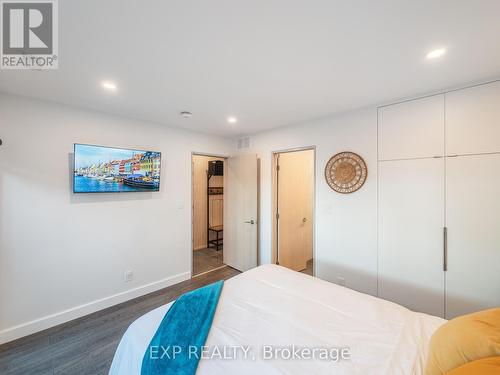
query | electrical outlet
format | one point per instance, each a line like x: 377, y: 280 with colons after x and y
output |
x: 129, y: 275
x: 340, y: 281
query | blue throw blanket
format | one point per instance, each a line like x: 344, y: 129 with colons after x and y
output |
x: 176, y: 345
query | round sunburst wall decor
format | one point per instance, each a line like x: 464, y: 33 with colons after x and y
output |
x: 346, y: 172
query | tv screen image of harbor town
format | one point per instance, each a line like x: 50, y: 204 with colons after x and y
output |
x: 99, y: 169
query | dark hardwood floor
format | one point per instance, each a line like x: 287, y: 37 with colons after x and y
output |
x: 206, y: 259
x: 86, y: 346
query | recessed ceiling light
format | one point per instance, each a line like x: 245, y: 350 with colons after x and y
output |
x: 186, y: 114
x: 434, y: 54
x: 108, y: 85
x: 232, y: 120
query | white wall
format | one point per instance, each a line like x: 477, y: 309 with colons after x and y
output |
x: 64, y: 255
x: 346, y: 225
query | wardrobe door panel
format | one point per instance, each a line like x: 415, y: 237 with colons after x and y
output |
x: 411, y: 220
x: 413, y: 129
x: 473, y: 120
x: 473, y: 221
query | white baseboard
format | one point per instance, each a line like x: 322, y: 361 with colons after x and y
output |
x: 49, y: 321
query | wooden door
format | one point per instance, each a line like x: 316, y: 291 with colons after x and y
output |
x: 295, y: 184
x: 472, y: 210
x: 240, y: 212
x: 411, y: 222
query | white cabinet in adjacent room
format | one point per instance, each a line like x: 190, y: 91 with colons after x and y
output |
x: 473, y: 120
x: 411, y: 221
x: 473, y: 221
x: 412, y: 129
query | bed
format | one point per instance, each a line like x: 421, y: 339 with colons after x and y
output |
x: 271, y: 306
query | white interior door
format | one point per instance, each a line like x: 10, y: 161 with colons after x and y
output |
x: 240, y: 212
x: 411, y: 221
x: 472, y: 208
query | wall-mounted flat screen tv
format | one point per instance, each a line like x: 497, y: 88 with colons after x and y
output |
x: 99, y: 169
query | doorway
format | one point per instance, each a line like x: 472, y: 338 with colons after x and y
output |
x: 207, y: 213
x: 293, y: 208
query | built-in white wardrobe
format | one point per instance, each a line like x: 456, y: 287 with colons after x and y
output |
x: 439, y: 201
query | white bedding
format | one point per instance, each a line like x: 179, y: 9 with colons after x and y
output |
x: 271, y: 305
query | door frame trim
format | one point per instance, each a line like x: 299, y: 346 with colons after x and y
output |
x: 274, y: 237
x: 191, y: 207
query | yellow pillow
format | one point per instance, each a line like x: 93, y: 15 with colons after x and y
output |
x: 464, y: 339
x: 485, y: 366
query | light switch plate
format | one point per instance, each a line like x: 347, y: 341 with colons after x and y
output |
x: 129, y: 276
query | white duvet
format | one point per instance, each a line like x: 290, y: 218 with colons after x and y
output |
x: 273, y: 307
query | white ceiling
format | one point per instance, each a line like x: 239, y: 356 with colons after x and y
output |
x: 267, y: 62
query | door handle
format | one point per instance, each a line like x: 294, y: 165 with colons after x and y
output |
x: 250, y: 222
x: 304, y: 220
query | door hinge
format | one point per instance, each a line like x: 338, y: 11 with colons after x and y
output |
x: 278, y: 167
x: 277, y: 215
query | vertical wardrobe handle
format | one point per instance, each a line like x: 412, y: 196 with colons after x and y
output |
x: 445, y: 249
